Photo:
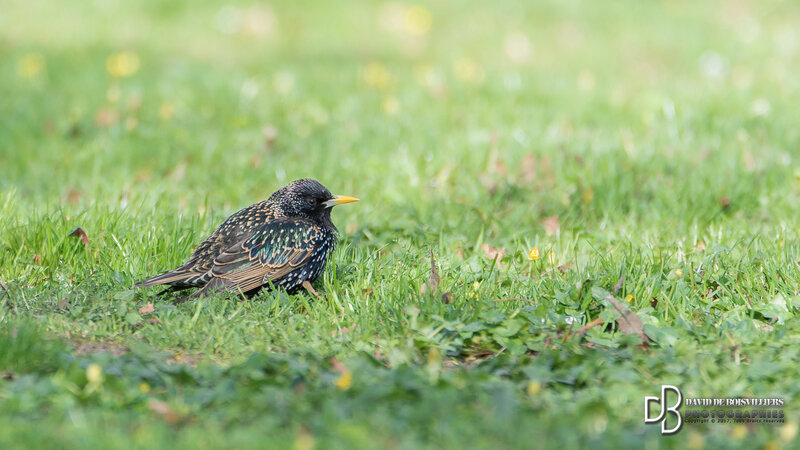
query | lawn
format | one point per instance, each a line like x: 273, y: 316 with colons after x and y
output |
x: 555, y: 162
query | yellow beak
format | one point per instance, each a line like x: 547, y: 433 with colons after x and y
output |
x: 342, y: 199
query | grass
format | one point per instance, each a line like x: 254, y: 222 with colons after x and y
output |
x: 661, y: 136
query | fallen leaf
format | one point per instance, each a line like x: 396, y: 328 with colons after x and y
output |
x: 619, y: 284
x: 628, y: 322
x: 146, y: 309
x: 565, y: 268
x: 489, y: 183
x: 37, y: 259
x: 79, y: 233
x: 725, y: 202
x: 550, y: 225
x: 106, y: 117
x: 270, y: 135
x: 529, y: 168
x: 447, y: 298
x: 154, y: 321
x: 493, y: 253
x: 500, y: 168
x: 433, y: 279
x: 73, y: 195
x: 164, y: 410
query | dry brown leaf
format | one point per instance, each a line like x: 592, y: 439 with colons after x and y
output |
x: 447, y: 298
x: 550, y: 225
x: 37, y: 259
x: 619, y: 284
x: 336, y: 365
x: 500, y: 168
x: 106, y: 117
x: 489, y: 183
x: 79, y: 233
x: 164, y: 410
x: 628, y: 321
x: 73, y: 195
x: 433, y: 280
x: 564, y: 268
x: 146, y: 309
x: 270, y: 135
x: 529, y: 168
x: 493, y: 252
x: 154, y: 321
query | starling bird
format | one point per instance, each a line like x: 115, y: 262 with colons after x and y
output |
x: 282, y: 241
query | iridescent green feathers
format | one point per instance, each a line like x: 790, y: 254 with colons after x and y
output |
x: 282, y: 241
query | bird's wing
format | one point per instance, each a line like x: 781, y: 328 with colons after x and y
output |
x: 272, y: 251
x: 195, y: 271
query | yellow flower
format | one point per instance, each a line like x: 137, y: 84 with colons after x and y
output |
x: 475, y: 286
x: 630, y: 298
x: 376, y: 75
x: 344, y: 381
x: 166, y: 111
x: 696, y: 441
x: 678, y: 273
x: 467, y: 69
x: 418, y: 20
x: 30, y: 65
x: 144, y: 388
x: 122, y: 64
x: 304, y: 441
x: 94, y: 374
x: 390, y: 105
x: 534, y: 387
x: 789, y: 431
x: 533, y: 254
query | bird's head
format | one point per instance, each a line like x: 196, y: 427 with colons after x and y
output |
x: 309, y: 199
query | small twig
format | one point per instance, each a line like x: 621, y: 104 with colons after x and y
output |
x: 568, y: 333
x: 582, y: 331
x: 514, y: 298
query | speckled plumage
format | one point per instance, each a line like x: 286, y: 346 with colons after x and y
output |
x: 282, y: 241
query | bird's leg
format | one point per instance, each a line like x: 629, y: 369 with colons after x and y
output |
x: 310, y: 289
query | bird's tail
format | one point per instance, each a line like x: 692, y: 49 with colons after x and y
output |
x: 175, y: 278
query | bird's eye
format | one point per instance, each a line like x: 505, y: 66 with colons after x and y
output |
x: 312, y: 201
